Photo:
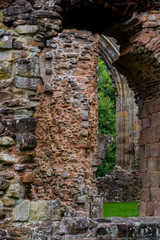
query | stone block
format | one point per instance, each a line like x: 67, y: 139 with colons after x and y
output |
x: 143, y: 166
x: 28, y: 177
x: 145, y: 122
x: 144, y: 111
x: 6, y: 42
x: 146, y: 181
x: 7, y: 158
x: 154, y: 149
x: 27, y: 83
x: 155, y: 180
x: 6, y: 141
x: 26, y: 141
x: 5, y: 70
x: 8, y: 202
x: 155, y: 119
x: 21, y: 211
x: 24, y: 29
x: 81, y: 199
x: 45, y: 210
x: 156, y: 105
x: 157, y: 209
x: 19, y: 167
x: 21, y: 125
x: 145, y: 195
x: 142, y: 209
x: 143, y: 137
x: 76, y: 225
x: 151, y: 135
x: 84, y: 115
x: 27, y: 67
x: 15, y: 190
x: 152, y: 165
x: 5, y: 96
x: 10, y: 56
x: 150, y: 208
x: 3, y: 183
x: 155, y: 194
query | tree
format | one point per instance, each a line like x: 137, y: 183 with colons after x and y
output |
x: 106, y: 116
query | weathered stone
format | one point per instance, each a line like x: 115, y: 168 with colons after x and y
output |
x: 26, y: 141
x: 27, y: 67
x: 8, y: 202
x: 24, y: 29
x: 27, y: 83
x: 28, y: 177
x: 3, y: 183
x: 5, y: 96
x: 6, y: 141
x: 5, y: 70
x: 7, y: 158
x: 45, y: 210
x: 21, y: 211
x: 19, y: 167
x: 15, y: 190
x: 21, y: 125
x: 81, y: 199
x: 10, y: 56
x: 6, y: 42
x: 76, y: 225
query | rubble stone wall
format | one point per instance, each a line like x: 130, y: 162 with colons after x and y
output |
x: 120, y: 187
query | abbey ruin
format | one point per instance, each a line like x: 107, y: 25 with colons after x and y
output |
x: 49, y: 142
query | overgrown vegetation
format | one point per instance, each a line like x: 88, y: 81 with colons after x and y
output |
x: 106, y: 116
x: 123, y: 209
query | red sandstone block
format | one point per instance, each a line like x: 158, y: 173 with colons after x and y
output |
x: 143, y: 165
x: 146, y: 122
x: 144, y: 111
x: 152, y: 165
x: 145, y: 195
x: 155, y: 179
x: 155, y: 194
x: 143, y: 137
x: 157, y: 209
x: 150, y: 209
x: 156, y: 105
x: 155, y: 119
x: 142, y: 209
x: 151, y: 135
x: 146, y: 181
x: 154, y: 149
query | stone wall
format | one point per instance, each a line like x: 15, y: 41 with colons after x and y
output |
x: 66, y: 119
x: 86, y: 228
x: 120, y: 186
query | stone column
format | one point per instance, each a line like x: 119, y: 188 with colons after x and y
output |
x: 150, y: 154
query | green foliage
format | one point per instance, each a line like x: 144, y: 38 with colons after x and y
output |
x: 106, y: 116
x: 123, y: 209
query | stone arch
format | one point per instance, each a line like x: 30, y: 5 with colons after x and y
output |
x: 127, y: 123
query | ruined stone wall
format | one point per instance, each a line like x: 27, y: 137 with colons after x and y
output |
x: 112, y: 228
x: 67, y: 117
x: 120, y: 187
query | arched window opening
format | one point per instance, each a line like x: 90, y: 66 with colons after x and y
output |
x: 106, y: 116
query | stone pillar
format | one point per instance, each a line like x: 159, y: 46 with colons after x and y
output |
x: 67, y: 118
x: 150, y: 154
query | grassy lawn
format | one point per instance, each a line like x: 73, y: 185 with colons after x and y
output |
x: 123, y: 209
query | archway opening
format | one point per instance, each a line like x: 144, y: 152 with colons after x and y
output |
x: 106, y: 116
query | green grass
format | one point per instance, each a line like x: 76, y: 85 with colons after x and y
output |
x: 123, y: 209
